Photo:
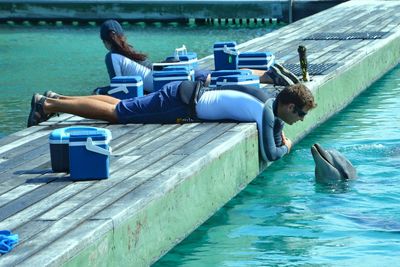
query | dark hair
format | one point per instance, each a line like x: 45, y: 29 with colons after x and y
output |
x: 297, y: 94
x: 111, y: 32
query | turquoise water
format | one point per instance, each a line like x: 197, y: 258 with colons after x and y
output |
x: 283, y: 218
x: 70, y: 59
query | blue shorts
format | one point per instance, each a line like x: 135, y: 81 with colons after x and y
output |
x: 201, y: 75
x: 163, y: 106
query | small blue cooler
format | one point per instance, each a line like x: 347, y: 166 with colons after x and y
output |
x: 89, y: 154
x: 160, y: 78
x: 59, y: 146
x: 256, y: 60
x: 225, y: 56
x: 219, y: 73
x: 252, y: 80
x: 123, y: 87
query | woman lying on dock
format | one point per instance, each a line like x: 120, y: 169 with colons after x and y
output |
x: 190, y: 101
x: 123, y: 60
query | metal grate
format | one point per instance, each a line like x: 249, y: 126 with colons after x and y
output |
x: 346, y: 36
x: 313, y: 69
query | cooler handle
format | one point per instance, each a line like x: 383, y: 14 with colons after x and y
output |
x: 92, y: 147
x: 181, y: 50
x: 230, y: 51
x: 121, y: 88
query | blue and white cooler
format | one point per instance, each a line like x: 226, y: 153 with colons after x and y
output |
x: 251, y: 80
x: 220, y: 73
x: 59, y: 146
x: 256, y: 60
x: 225, y: 56
x: 180, y: 68
x: 160, y: 78
x: 89, y: 154
x: 123, y: 87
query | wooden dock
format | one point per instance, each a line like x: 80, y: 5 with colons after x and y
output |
x: 168, y: 179
x: 202, y: 11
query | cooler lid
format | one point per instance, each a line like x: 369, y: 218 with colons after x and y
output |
x: 126, y: 79
x: 262, y: 55
x: 61, y: 135
x: 219, y: 73
x: 98, y: 134
x: 238, y: 78
x: 171, y: 73
x: 222, y: 44
x: 176, y: 68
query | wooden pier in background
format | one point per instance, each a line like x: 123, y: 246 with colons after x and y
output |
x: 201, y: 11
x: 166, y: 180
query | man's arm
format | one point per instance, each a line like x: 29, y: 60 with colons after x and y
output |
x: 269, y: 149
x: 286, y: 141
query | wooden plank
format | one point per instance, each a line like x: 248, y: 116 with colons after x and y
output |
x: 203, y: 139
x: 122, y: 169
x: 25, y: 232
x: 37, y: 163
x: 133, y: 202
x: 19, y: 155
x: 79, y: 202
x: 70, y: 221
x: 24, y: 140
x: 73, y: 242
x: 27, y: 172
x: 15, y: 136
x: 36, y: 209
x: 34, y: 196
x: 41, y: 184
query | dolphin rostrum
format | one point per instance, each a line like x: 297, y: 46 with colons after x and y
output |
x: 331, y: 166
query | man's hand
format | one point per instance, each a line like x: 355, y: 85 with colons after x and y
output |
x: 286, y: 142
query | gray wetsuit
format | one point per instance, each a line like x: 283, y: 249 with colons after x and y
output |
x: 246, y: 104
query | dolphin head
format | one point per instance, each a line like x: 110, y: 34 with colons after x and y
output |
x: 331, y: 166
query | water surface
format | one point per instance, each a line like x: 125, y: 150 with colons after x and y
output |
x: 283, y: 218
x: 70, y: 59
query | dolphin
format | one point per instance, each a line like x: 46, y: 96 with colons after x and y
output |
x: 331, y: 166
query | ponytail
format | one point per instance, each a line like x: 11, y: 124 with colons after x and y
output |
x: 119, y: 45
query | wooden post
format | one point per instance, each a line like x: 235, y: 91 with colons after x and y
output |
x: 291, y: 11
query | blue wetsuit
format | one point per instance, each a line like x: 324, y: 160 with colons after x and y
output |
x: 236, y: 103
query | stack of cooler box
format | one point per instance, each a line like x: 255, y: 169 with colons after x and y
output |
x: 167, y: 75
x: 179, y: 67
x: 82, y: 151
x: 124, y: 87
x: 229, y: 65
x: 256, y: 60
x: 225, y: 56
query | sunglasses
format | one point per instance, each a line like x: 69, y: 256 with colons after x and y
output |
x: 300, y: 112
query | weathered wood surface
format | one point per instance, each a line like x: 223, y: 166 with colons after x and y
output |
x: 42, y: 206
x: 59, y: 220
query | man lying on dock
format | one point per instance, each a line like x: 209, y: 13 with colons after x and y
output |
x: 190, y: 101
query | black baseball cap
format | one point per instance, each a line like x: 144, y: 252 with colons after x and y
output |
x: 110, y: 25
